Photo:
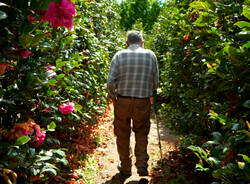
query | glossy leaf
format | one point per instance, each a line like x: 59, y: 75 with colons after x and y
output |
x: 3, y: 15
x: 51, y: 126
x: 22, y: 140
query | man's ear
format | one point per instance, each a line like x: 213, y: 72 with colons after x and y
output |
x: 141, y: 44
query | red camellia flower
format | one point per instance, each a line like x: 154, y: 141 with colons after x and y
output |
x: 87, y: 95
x: 67, y: 108
x: 31, y: 18
x: 19, y: 52
x: 221, y: 164
x: 61, y: 14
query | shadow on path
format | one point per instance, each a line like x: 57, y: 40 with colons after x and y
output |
x: 116, y: 180
x: 166, y: 136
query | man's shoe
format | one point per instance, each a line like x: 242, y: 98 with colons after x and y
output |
x: 143, y: 181
x: 124, y: 174
x: 142, y: 171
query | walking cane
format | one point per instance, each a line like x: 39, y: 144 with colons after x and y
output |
x: 157, y: 121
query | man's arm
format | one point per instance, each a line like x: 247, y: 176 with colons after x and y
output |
x: 155, y: 73
x: 111, y: 84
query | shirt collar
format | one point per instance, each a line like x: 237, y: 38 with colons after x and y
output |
x: 134, y: 46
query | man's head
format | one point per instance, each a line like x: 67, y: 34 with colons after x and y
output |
x: 134, y: 37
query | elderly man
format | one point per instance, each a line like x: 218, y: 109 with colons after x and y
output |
x: 133, y: 76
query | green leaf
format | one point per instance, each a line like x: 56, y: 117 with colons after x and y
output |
x: 60, y: 76
x: 246, y: 104
x: 49, y: 153
x: 43, y: 158
x: 78, y: 107
x: 52, y: 82
x: 235, y: 126
x: 194, y: 148
x: 246, y: 11
x: 59, y: 152
x: 31, y: 152
x: 64, y: 161
x: 245, y: 157
x: 3, y: 4
x: 212, y: 142
x: 49, y: 165
x: 214, y: 161
x: 3, y: 15
x: 34, y: 171
x: 51, y: 170
x: 242, y: 24
x: 60, y: 63
x: 50, y: 73
x: 87, y: 115
x: 198, y: 5
x: 51, y: 126
x: 212, y: 4
x: 198, y: 150
x: 247, y: 45
x: 199, y: 167
x: 217, y: 136
x: 22, y: 140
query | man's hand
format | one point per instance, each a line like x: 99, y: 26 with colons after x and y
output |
x: 111, y: 97
x: 151, y: 100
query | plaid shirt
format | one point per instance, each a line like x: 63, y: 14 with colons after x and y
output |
x: 133, y: 72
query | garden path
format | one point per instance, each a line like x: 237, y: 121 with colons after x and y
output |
x: 109, y: 157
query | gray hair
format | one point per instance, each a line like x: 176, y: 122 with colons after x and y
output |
x: 134, y: 37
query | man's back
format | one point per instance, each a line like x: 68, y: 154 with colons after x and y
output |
x: 134, y: 72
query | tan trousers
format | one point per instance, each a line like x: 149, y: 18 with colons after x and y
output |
x: 137, y: 110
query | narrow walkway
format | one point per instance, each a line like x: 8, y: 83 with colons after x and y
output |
x: 110, y: 158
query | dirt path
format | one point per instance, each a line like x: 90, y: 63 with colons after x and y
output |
x: 110, y: 158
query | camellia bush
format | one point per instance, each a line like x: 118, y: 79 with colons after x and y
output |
x: 53, y: 69
x: 139, y: 11
x: 203, y: 53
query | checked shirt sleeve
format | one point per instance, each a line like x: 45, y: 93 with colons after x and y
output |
x: 155, y: 73
x: 113, y: 72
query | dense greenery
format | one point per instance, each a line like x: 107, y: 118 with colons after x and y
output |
x: 139, y: 11
x: 43, y: 67
x: 203, y: 50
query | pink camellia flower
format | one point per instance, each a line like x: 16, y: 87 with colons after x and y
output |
x: 67, y: 108
x: 49, y: 67
x: 25, y: 53
x: 40, y: 135
x: 3, y: 68
x: 61, y: 14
